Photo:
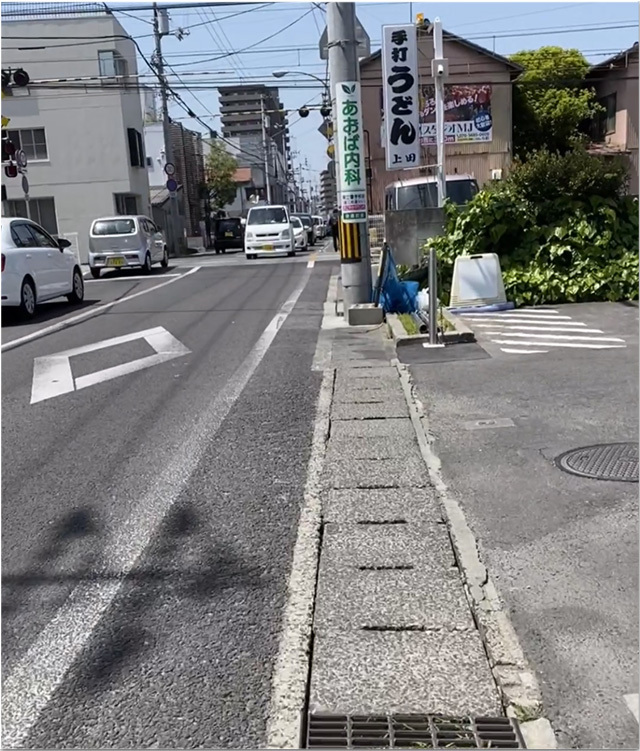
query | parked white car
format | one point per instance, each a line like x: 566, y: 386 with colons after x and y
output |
x: 318, y: 223
x: 268, y: 232
x: 299, y: 234
x: 36, y: 267
x: 117, y: 242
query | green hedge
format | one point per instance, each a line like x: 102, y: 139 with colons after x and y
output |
x: 551, y: 251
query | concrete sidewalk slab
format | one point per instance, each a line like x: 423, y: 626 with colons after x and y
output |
x: 363, y: 395
x: 372, y: 448
x: 375, y: 473
x: 365, y: 672
x: 381, y: 428
x: 378, y: 410
x: 350, y: 599
x: 355, y: 506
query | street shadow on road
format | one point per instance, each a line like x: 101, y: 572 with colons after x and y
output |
x: 182, y: 565
x: 47, y: 311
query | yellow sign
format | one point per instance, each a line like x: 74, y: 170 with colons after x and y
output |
x: 5, y: 121
x: 331, y: 150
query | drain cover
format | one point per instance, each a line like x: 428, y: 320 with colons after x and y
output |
x: 608, y: 461
x: 412, y: 731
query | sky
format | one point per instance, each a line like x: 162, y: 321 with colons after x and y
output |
x: 505, y: 27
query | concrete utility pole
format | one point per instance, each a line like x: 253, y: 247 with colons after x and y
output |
x: 265, y: 150
x: 343, y: 66
x: 175, y: 228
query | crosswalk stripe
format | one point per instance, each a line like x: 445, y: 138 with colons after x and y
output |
x: 579, y: 345
x: 519, y: 312
x: 511, y: 351
x: 572, y: 337
x: 535, y: 327
x: 499, y: 317
x: 633, y: 702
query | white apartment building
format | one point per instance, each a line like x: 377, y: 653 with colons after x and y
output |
x: 83, y: 140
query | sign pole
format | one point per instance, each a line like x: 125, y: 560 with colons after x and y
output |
x: 344, y: 75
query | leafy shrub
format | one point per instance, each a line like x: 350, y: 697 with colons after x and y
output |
x: 557, y: 239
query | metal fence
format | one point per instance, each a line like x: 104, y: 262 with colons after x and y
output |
x: 32, y: 11
x: 376, y: 232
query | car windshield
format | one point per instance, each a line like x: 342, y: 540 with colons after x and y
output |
x: 295, y: 221
x: 305, y: 219
x: 114, y: 227
x: 267, y: 215
x: 229, y: 225
x: 425, y: 196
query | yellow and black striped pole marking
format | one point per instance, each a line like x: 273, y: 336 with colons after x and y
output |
x: 350, y: 248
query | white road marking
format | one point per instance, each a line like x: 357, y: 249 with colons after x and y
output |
x: 633, y: 702
x: 535, y: 328
x: 509, y: 317
x: 27, y: 690
x: 523, y: 351
x: 127, y: 278
x: 584, y: 345
x: 52, y: 375
x: 572, y: 337
x: 312, y: 262
x: 543, y: 325
x: 515, y: 312
x: 89, y: 313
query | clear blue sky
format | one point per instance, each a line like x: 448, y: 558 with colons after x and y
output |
x: 516, y: 26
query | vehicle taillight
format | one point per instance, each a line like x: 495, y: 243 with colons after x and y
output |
x: 3, y: 259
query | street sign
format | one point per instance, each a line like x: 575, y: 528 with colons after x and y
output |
x: 363, y: 39
x: 25, y: 185
x: 172, y: 185
x: 326, y: 129
x: 5, y: 121
x: 21, y: 158
x: 170, y: 169
x: 351, y: 166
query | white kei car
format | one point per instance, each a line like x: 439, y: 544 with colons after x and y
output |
x: 36, y: 267
x: 299, y: 234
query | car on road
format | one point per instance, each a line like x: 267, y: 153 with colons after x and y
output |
x: 117, y: 242
x: 318, y: 223
x: 299, y: 234
x: 36, y: 267
x: 307, y: 221
x: 268, y: 232
x: 228, y: 234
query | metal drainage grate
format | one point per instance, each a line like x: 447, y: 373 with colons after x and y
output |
x: 608, y: 461
x: 411, y: 731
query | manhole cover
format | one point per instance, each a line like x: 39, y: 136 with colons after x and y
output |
x: 411, y: 731
x: 608, y: 461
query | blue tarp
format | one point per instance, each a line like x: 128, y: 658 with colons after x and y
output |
x: 397, y: 296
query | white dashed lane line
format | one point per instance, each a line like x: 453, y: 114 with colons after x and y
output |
x: 530, y: 331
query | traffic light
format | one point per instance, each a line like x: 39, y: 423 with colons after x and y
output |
x: 303, y: 112
x: 18, y: 77
x: 8, y: 153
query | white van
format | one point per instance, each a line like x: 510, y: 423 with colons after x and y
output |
x: 268, y: 232
x: 422, y: 192
x: 125, y: 241
x: 318, y: 223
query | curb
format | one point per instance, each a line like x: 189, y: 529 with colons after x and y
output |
x: 514, y: 678
x: 462, y: 333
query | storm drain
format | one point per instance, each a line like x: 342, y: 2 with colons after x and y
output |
x: 411, y: 731
x: 608, y: 461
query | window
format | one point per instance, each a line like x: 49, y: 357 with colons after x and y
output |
x: 136, y: 148
x: 114, y: 227
x: 21, y: 236
x: 126, y: 203
x: 605, y: 122
x: 42, y: 238
x: 32, y: 141
x: 40, y: 210
x: 111, y: 63
x: 267, y: 215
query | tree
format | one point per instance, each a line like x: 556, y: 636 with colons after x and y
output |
x: 550, y: 100
x: 220, y: 176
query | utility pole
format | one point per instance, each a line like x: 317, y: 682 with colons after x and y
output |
x: 265, y: 151
x: 175, y: 227
x: 354, y: 237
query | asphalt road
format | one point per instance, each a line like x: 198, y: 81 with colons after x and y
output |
x: 148, y: 519
x: 563, y: 550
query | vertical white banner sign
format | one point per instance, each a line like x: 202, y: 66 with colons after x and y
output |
x: 350, y: 152
x: 400, y: 94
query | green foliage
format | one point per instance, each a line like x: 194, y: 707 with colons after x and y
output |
x: 550, y: 102
x: 220, y: 172
x: 563, y: 244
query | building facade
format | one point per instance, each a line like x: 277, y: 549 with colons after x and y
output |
x: 254, y: 119
x: 83, y: 139
x: 615, y: 132
x: 475, y: 74
x: 328, y: 192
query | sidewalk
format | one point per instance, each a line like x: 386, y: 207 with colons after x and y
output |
x: 393, y: 630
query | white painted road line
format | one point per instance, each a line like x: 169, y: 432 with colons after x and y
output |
x: 88, y: 314
x: 509, y: 317
x: 633, y: 702
x: 312, y: 262
x: 578, y: 345
x: 571, y: 337
x: 508, y: 327
x: 27, y: 690
x: 52, y: 374
x: 128, y: 278
x: 542, y: 325
x: 523, y: 351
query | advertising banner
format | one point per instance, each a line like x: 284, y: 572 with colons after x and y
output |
x: 467, y: 114
x: 350, y: 153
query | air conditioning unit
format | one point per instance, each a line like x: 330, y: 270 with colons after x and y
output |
x: 496, y: 174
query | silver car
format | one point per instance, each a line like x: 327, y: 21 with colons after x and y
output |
x: 117, y: 242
